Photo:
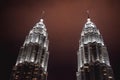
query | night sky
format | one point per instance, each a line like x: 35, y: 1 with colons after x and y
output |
x: 64, y: 20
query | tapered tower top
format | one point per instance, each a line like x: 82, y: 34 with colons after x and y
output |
x: 90, y: 33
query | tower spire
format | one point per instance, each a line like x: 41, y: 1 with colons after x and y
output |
x: 88, y: 14
x: 42, y: 14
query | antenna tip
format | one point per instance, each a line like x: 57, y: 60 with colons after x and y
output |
x: 87, y: 11
x: 43, y: 12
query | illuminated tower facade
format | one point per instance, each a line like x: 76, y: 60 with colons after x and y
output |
x: 32, y: 60
x: 93, y: 59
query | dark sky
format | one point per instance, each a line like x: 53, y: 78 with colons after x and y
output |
x: 64, y: 20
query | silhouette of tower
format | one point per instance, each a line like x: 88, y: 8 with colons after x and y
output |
x: 33, y: 56
x: 93, y: 59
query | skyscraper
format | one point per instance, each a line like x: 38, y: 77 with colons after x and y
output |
x: 33, y: 56
x: 93, y: 59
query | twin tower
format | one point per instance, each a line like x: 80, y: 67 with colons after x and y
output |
x: 93, y: 59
